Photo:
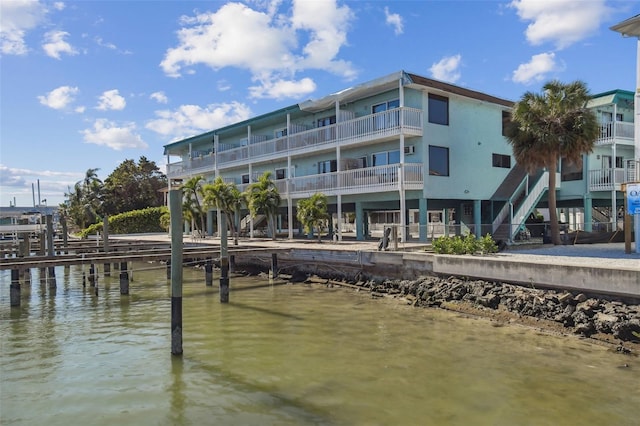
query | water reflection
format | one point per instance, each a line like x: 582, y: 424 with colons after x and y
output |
x: 289, y: 355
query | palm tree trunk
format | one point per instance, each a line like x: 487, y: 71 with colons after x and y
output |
x: 553, y: 213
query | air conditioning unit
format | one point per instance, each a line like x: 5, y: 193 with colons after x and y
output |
x: 409, y: 149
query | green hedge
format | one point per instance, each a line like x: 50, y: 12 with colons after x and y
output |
x: 133, y: 222
x: 466, y: 245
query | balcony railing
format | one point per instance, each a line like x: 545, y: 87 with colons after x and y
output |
x: 609, y: 179
x: 618, y: 131
x: 386, y: 124
x: 357, y: 181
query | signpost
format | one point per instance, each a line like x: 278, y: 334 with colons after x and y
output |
x: 633, y: 209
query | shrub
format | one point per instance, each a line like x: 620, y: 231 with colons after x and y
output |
x: 133, y: 222
x: 467, y: 245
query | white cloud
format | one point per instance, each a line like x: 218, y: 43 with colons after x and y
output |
x: 59, y: 98
x: 223, y: 85
x: 536, y: 69
x: 281, y: 89
x: 111, y: 100
x: 562, y: 22
x: 159, y: 97
x: 447, y: 69
x: 17, y: 17
x: 59, y: 5
x: 55, y: 44
x: 100, y: 42
x: 10, y: 176
x: 108, y: 133
x: 264, y: 42
x: 395, y: 20
x: 189, y: 120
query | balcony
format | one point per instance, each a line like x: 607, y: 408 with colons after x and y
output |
x: 610, y: 179
x: 386, y: 125
x: 619, y: 132
x: 357, y: 181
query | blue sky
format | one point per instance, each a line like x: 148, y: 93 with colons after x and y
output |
x: 89, y: 84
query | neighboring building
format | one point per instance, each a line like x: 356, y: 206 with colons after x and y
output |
x: 594, y: 189
x: 403, y: 149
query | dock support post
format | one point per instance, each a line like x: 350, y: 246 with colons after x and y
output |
x: 52, y: 278
x: 175, y: 210
x: 274, y: 266
x: 169, y: 270
x: 208, y: 272
x: 124, y: 278
x: 92, y: 275
x: 14, y: 294
x: 224, y: 261
x: 51, y: 251
x: 105, y: 239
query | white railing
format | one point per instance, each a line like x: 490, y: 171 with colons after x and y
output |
x: 529, y: 203
x: 611, y: 131
x: 607, y: 179
x: 368, y: 179
x: 390, y: 123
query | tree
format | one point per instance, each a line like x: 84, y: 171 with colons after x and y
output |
x: 85, y: 201
x: 133, y: 186
x: 312, y: 212
x: 551, y: 125
x: 192, y: 208
x: 263, y: 198
x: 225, y: 197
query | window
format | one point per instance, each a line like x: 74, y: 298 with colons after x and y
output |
x: 281, y: 174
x: 384, y: 158
x: 327, y: 121
x: 438, y: 109
x: 438, y: 161
x: 245, y: 178
x: 467, y: 210
x: 501, y: 160
x: 506, y: 120
x: 280, y: 133
x: 327, y: 166
x: 570, y: 171
x: 619, y: 117
x: 384, y: 121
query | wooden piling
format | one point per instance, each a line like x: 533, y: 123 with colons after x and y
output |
x: 105, y: 239
x: 208, y: 272
x: 124, y: 278
x: 274, y: 265
x: 224, y: 261
x: 175, y: 210
x: 92, y: 275
x: 14, y: 289
x: 51, y: 252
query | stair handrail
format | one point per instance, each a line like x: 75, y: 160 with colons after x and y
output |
x: 541, y: 185
x: 506, y: 208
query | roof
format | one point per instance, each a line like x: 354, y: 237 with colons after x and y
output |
x: 629, y: 27
x: 370, y: 88
x: 620, y: 97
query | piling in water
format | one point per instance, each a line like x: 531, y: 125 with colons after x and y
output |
x: 175, y: 210
x: 224, y: 261
x: 124, y: 278
x: 14, y: 294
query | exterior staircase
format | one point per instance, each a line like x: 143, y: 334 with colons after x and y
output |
x: 245, y: 223
x: 520, y: 193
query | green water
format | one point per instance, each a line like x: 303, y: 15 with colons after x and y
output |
x: 289, y: 355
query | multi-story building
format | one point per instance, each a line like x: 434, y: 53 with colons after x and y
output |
x: 403, y: 149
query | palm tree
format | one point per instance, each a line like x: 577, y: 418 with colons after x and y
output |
x: 263, y: 198
x: 312, y: 212
x: 225, y: 197
x: 552, y: 125
x: 191, y: 206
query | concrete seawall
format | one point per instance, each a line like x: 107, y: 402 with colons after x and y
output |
x: 596, y: 278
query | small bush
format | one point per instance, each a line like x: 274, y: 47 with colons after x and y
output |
x: 467, y: 245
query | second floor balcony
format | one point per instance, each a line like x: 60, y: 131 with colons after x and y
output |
x: 612, y: 178
x: 386, y: 125
x: 618, y: 132
x: 358, y: 181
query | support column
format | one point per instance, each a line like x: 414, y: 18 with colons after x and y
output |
x: 105, y: 239
x: 14, y: 292
x: 124, y: 278
x: 424, y: 219
x: 588, y: 213
x: 477, y: 217
x: 359, y: 222
x: 175, y: 209
x: 210, y: 222
x: 224, y: 262
x: 274, y: 267
x: 208, y: 273
x: 339, y: 224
